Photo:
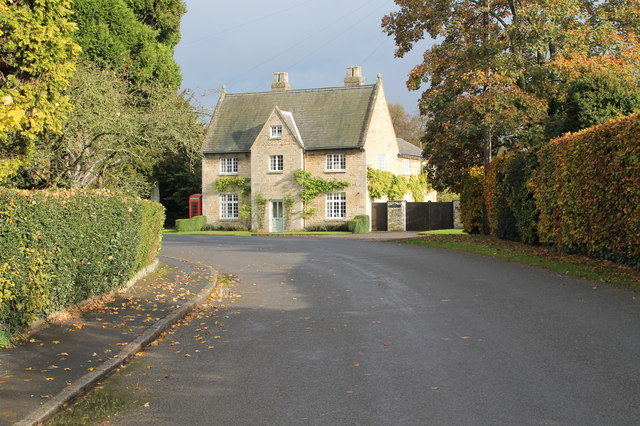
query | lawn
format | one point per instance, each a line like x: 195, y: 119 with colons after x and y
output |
x: 244, y: 233
x: 574, y: 265
x: 174, y: 232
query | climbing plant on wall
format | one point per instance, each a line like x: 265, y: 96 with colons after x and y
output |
x: 243, y: 184
x: 382, y: 183
x: 312, y: 186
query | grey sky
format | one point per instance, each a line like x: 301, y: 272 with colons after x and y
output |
x: 242, y: 43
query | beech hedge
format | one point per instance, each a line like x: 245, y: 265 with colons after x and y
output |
x: 471, y: 201
x: 579, y: 193
x: 60, y: 248
x: 587, y: 190
x: 509, y: 202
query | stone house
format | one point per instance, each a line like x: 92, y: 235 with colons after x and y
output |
x: 261, y: 139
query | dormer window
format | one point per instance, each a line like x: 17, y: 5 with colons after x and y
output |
x: 276, y: 131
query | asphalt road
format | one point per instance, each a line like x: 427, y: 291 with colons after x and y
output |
x: 332, y: 331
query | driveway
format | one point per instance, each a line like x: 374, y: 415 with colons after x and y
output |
x: 340, y: 331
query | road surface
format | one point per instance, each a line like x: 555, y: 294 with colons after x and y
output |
x: 336, y: 332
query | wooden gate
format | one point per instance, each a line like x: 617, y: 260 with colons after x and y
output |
x: 379, y: 216
x: 429, y: 216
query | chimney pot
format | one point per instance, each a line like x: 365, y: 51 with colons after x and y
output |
x: 280, y: 82
x: 354, y: 77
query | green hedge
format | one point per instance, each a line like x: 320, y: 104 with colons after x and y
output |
x: 471, y: 201
x: 359, y: 224
x: 587, y: 189
x: 194, y: 224
x: 509, y: 203
x: 60, y: 248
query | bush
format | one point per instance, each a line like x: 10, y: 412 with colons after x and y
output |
x: 520, y: 195
x: 586, y: 189
x: 471, y: 201
x: 60, y: 248
x: 509, y: 203
x: 359, y: 224
x: 196, y: 223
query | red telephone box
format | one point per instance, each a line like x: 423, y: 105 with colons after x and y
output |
x: 195, y: 205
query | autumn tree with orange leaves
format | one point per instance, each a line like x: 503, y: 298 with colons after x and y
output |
x: 499, y: 71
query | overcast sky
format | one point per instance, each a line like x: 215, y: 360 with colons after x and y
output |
x: 241, y: 43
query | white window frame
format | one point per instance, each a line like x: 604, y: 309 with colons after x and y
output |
x: 229, y: 166
x: 406, y: 166
x: 382, y: 162
x: 336, y: 205
x: 335, y: 162
x: 276, y: 163
x: 229, y: 206
x: 276, y: 131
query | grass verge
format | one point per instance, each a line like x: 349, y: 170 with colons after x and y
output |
x: 98, y: 406
x: 574, y: 265
x: 244, y: 233
x: 444, y: 232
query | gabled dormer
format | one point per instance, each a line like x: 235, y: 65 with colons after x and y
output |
x: 278, y: 149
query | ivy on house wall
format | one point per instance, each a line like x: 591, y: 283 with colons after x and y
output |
x: 312, y: 186
x: 261, y: 205
x: 226, y: 182
x: 382, y: 183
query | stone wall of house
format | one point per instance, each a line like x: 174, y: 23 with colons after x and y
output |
x: 356, y: 192
x: 380, y: 137
x: 211, y: 197
x: 276, y: 185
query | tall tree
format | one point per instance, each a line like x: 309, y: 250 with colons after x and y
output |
x: 492, y: 73
x: 132, y: 37
x: 37, y: 57
x: 408, y: 127
x: 112, y: 141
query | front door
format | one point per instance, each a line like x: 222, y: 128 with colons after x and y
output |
x: 277, y: 216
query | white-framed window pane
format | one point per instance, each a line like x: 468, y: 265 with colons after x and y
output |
x: 276, y: 163
x: 336, y: 162
x: 228, y: 165
x: 276, y: 131
x: 382, y: 162
x: 405, y: 167
x: 336, y: 205
x: 229, y: 206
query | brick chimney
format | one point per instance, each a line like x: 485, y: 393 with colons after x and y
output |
x: 280, y: 82
x: 354, y: 77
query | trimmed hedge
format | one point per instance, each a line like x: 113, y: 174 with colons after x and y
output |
x: 471, y: 201
x: 510, y: 206
x: 359, y: 224
x: 194, y: 224
x: 587, y: 189
x: 60, y: 248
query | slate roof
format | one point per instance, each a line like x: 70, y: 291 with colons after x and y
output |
x: 326, y: 118
x: 407, y: 149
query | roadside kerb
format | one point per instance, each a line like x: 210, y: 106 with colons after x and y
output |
x: 88, y: 381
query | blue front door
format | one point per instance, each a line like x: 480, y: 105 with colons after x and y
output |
x: 277, y: 216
